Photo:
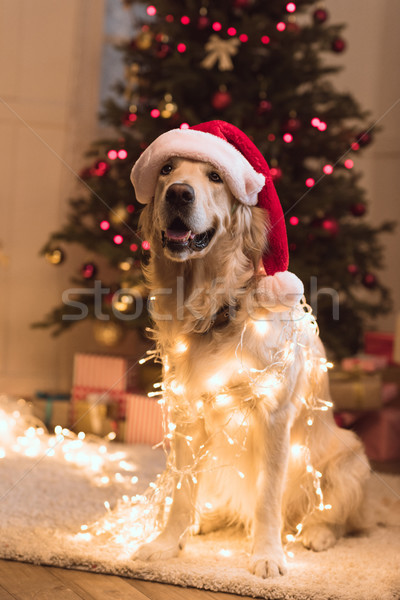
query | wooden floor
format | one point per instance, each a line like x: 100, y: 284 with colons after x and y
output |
x: 22, y: 581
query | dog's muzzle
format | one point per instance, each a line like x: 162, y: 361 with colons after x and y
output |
x: 178, y: 237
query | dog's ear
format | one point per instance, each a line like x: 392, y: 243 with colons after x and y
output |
x: 250, y: 224
x: 146, y: 221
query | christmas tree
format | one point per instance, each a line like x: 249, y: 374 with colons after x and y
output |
x: 262, y: 67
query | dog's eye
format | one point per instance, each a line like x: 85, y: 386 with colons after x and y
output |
x: 166, y: 169
x: 213, y: 176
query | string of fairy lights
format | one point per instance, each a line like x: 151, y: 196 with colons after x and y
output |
x: 139, y: 518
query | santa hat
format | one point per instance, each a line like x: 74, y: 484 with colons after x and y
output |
x: 245, y: 170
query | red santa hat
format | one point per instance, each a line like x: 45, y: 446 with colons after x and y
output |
x: 245, y: 170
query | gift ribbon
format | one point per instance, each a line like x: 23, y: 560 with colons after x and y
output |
x: 220, y: 51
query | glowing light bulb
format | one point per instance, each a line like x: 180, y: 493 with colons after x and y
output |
x: 118, y: 239
x: 310, y: 182
x: 181, y: 48
x: 231, y: 31
x: 133, y: 247
x: 281, y: 26
x: 146, y: 245
x: 122, y: 154
x: 261, y: 327
x: 287, y: 137
x: 184, y: 126
x: 243, y: 37
x: 217, y: 26
x: 185, y: 20
x: 181, y: 347
x: 315, y: 122
x: 265, y: 39
x: 322, y: 126
x: 155, y: 113
x: 112, y: 154
x: 349, y: 164
x: 290, y: 7
x: 151, y: 10
x: 294, y: 220
x: 104, y: 225
x: 327, y: 169
x: 296, y: 450
x: 223, y: 399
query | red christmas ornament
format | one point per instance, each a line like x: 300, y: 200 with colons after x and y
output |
x: 89, y: 271
x: 163, y: 50
x: 359, y: 209
x: 369, y: 280
x: 263, y: 107
x: 364, y: 138
x: 320, y: 15
x: 353, y: 269
x: 292, y: 27
x: 292, y: 125
x: 221, y: 100
x: 331, y: 226
x: 203, y: 22
x: 276, y: 173
x: 338, y: 45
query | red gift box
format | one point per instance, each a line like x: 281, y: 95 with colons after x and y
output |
x: 380, y: 344
x: 103, y: 380
x: 380, y: 432
x: 143, y: 420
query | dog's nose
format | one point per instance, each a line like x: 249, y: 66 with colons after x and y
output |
x: 180, y: 194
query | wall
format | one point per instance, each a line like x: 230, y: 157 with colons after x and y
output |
x: 50, y: 55
x: 371, y: 72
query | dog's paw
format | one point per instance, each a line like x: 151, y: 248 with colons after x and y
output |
x: 318, y: 537
x: 159, y: 549
x: 268, y: 565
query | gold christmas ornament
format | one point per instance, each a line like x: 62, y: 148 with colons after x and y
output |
x: 55, y: 256
x: 126, y: 265
x: 118, y: 215
x: 220, y: 51
x: 107, y: 333
x: 144, y: 40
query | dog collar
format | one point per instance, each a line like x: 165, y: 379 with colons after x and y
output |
x: 223, y: 317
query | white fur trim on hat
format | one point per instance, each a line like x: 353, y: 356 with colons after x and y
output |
x: 280, y: 292
x: 243, y: 180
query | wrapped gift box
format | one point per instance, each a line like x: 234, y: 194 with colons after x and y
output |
x: 380, y: 344
x: 52, y: 408
x: 143, y: 420
x: 380, y: 432
x: 355, y: 390
x: 365, y: 362
x: 101, y: 379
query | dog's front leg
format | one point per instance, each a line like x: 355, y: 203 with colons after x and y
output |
x: 272, y: 448
x: 173, y: 537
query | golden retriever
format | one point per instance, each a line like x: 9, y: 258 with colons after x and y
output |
x: 252, y: 437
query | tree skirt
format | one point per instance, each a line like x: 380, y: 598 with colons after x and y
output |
x: 45, y: 501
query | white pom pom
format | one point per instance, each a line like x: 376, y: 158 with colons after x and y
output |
x: 280, y: 292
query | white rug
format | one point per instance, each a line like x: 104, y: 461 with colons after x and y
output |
x: 45, y: 501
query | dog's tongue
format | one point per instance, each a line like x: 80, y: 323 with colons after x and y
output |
x: 178, y: 236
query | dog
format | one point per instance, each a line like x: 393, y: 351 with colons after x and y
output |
x: 247, y: 445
